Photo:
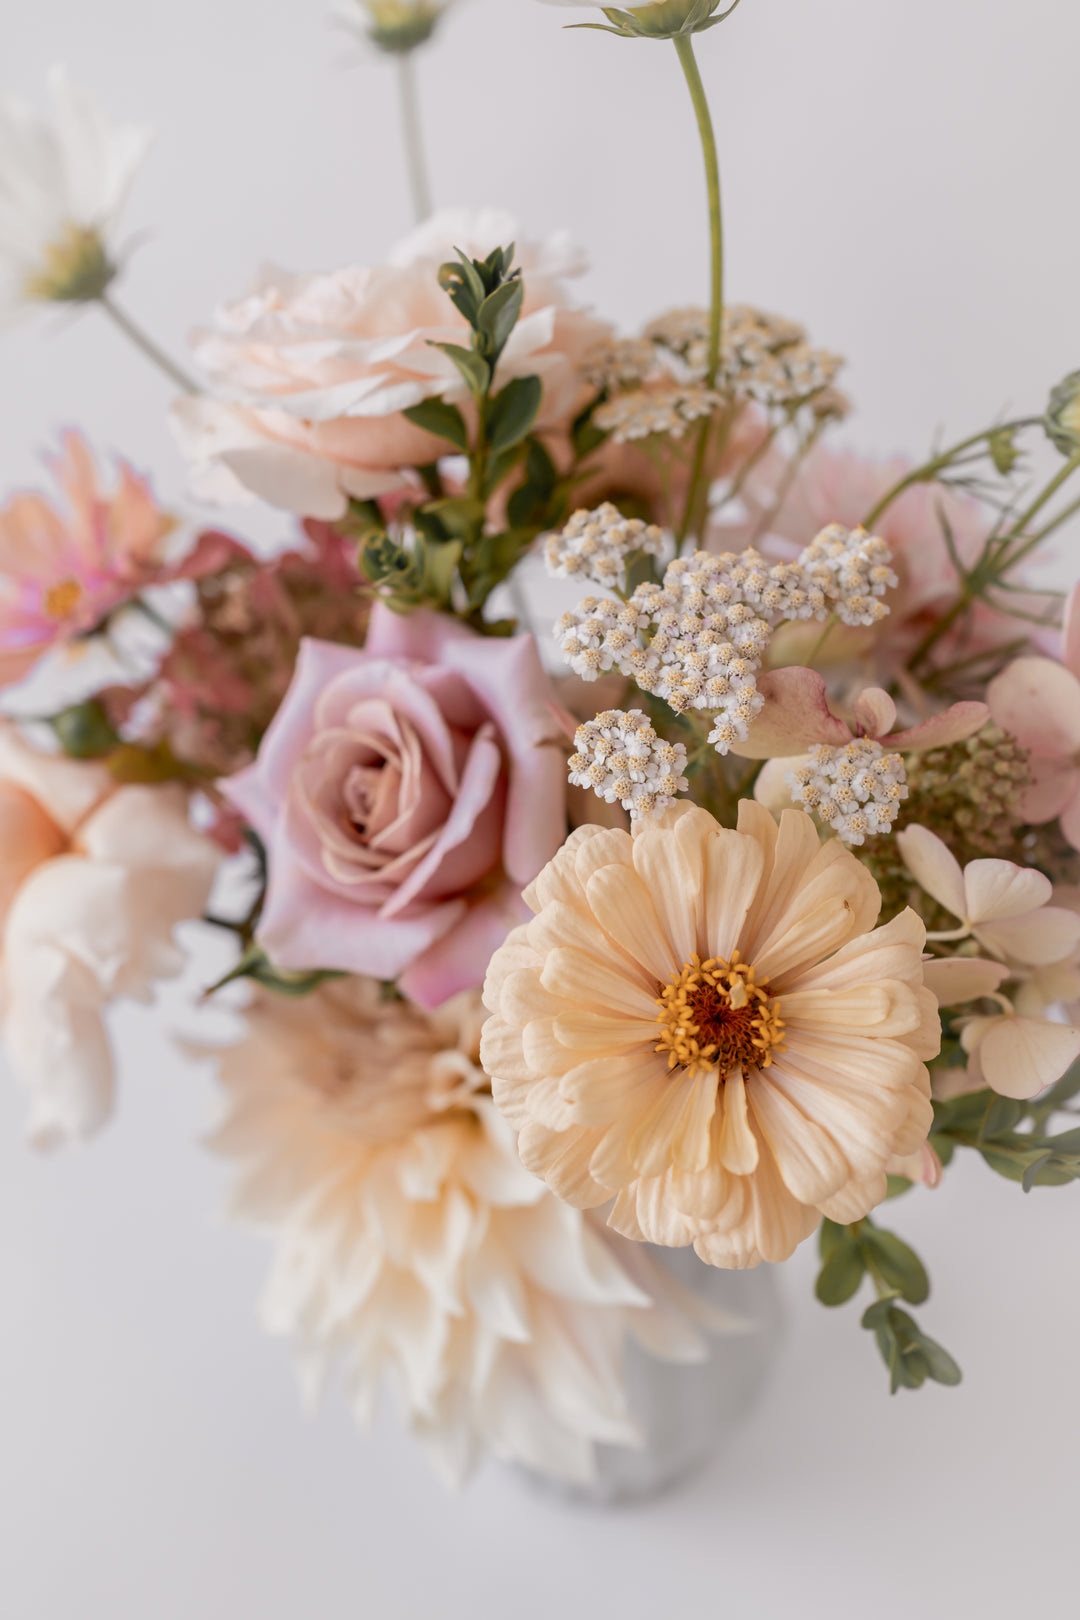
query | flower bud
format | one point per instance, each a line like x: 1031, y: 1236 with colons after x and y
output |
x: 1062, y: 419
x: 395, y: 26
x: 659, y: 19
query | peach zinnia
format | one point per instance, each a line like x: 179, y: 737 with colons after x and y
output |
x: 704, y: 1026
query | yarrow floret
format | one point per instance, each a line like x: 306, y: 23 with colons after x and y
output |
x: 852, y: 570
x: 596, y: 545
x: 857, y: 789
x: 645, y: 412
x: 623, y: 760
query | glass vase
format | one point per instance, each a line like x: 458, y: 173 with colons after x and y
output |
x: 686, y: 1415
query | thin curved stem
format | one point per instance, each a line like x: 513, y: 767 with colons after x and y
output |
x: 936, y: 464
x: 146, y: 345
x: 412, y: 137
x: 688, y: 61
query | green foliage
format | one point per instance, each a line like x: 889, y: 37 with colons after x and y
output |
x: 850, y: 1254
x: 1011, y: 1135
x: 511, y: 412
x: 423, y: 574
x: 85, y: 731
x: 438, y: 416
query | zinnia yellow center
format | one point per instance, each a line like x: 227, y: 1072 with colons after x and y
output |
x: 61, y: 600
x: 715, y: 1015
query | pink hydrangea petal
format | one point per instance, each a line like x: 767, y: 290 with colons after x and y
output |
x: 1054, y: 786
x: 1047, y: 935
x: 1070, y: 638
x: 1020, y: 1057
x: 875, y: 712
x: 1038, y: 701
x: 796, y: 715
x: 953, y: 725
x: 995, y: 888
x: 459, y: 959
x: 957, y: 979
x: 933, y: 866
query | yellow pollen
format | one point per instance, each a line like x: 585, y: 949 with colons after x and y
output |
x: 61, y: 600
x: 714, y: 1014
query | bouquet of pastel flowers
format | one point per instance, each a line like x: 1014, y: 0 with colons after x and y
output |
x: 722, y: 916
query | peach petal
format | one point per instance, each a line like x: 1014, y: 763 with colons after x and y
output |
x: 1020, y: 1057
x: 996, y: 889
x: 875, y: 712
x: 934, y: 867
x: 737, y: 1146
x: 1047, y: 935
x: 957, y: 979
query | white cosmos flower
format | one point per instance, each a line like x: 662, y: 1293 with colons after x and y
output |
x: 63, y: 182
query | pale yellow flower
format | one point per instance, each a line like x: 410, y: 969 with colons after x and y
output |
x: 412, y: 1244
x: 700, y: 1024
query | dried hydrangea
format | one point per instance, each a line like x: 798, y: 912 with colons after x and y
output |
x: 620, y: 756
x: 852, y: 570
x: 857, y: 789
x: 595, y: 545
x: 644, y: 413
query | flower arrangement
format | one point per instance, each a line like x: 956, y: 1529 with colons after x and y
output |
x: 728, y: 913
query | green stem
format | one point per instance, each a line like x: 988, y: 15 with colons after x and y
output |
x: 146, y: 345
x: 936, y: 464
x: 412, y: 139
x: 688, y: 61
x: 1036, y: 507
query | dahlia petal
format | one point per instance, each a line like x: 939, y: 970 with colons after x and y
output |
x: 663, y: 867
x: 644, y: 1211
x: 934, y: 867
x: 862, y: 1121
x: 562, y: 1160
x: 893, y: 951
x: 583, y: 1031
x: 620, y: 902
x: 737, y: 1146
x: 574, y: 977
x: 605, y: 1088
x: 810, y: 1163
x: 733, y: 873
x: 888, y: 1008
x: 793, y: 848
x: 780, y: 1222
x: 693, y: 1139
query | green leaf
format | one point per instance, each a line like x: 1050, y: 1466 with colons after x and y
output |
x: 438, y: 416
x: 498, y: 315
x: 940, y: 1365
x: 900, y: 1266
x: 1004, y: 1115
x: 1031, y: 1173
x: 474, y: 368
x: 455, y: 517
x: 897, y: 1186
x: 84, y: 731
x: 512, y: 412
x: 841, y: 1275
x: 1067, y: 1143
x: 529, y: 503
x: 832, y: 1236
x: 500, y: 466
x: 463, y: 285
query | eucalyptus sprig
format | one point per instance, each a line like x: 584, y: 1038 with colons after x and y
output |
x: 850, y: 1255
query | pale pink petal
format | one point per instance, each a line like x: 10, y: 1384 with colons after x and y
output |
x: 1070, y: 637
x: 1020, y: 1057
x: 1070, y: 820
x: 957, y: 979
x: 995, y: 888
x: 1038, y: 701
x: 933, y: 866
x: 459, y: 959
x: 875, y: 712
x: 1040, y: 937
x: 796, y: 714
x: 953, y: 725
x: 1055, y: 787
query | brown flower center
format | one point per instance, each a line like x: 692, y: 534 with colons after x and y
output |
x: 715, y: 1015
x: 61, y: 600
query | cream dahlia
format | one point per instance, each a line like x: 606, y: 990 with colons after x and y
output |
x: 703, y: 1025
x: 411, y: 1241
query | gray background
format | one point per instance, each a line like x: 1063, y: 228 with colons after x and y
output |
x: 902, y: 177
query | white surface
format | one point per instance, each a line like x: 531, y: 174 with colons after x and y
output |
x: 902, y: 177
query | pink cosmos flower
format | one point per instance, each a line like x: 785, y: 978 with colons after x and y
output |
x: 62, y: 572
x: 1038, y: 700
x: 406, y: 793
x: 309, y: 374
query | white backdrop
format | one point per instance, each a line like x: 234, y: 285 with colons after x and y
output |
x: 902, y: 177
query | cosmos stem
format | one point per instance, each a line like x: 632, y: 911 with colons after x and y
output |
x: 145, y: 344
x: 412, y: 137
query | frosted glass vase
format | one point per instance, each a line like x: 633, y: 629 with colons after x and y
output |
x: 688, y: 1414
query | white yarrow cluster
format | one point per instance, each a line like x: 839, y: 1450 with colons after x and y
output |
x: 857, y: 789
x: 650, y: 411
x: 624, y: 761
x: 596, y: 545
x: 852, y: 570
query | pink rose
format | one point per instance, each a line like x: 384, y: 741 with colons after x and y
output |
x: 309, y: 374
x: 406, y: 793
